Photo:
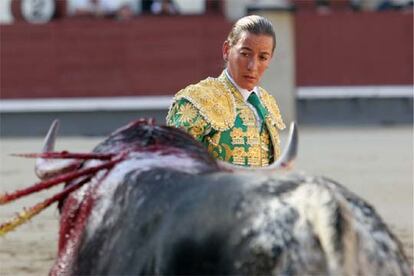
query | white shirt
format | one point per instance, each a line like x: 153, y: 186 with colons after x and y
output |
x: 246, y: 93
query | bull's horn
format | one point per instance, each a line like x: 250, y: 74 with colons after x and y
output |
x: 290, y: 151
x: 46, y: 168
x: 49, y: 141
x: 284, y: 161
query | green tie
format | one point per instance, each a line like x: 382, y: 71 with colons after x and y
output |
x: 254, y: 100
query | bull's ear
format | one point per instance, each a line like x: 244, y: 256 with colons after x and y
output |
x: 285, y: 160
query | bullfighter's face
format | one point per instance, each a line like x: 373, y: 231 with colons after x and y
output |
x: 248, y: 59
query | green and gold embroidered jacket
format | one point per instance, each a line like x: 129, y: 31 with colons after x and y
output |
x: 214, y: 112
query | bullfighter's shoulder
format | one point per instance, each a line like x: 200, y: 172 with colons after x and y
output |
x: 212, y: 100
x: 271, y: 105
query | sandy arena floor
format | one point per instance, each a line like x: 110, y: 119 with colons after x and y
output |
x: 375, y: 163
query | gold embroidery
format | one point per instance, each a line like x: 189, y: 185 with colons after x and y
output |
x: 214, y: 141
x: 247, y: 116
x: 211, y: 149
x: 198, y: 128
x: 196, y: 131
x: 187, y: 112
x: 217, y: 101
x: 274, y: 136
x: 265, y: 158
x: 270, y: 103
x: 276, y: 145
x: 253, y: 156
x: 233, y: 90
x: 239, y: 156
x: 265, y: 140
x: 237, y: 136
x: 228, y: 152
x: 213, y: 101
x: 253, y: 136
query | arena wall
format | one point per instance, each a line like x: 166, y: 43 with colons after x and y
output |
x: 347, y: 65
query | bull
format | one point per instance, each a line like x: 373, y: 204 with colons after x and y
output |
x: 150, y: 200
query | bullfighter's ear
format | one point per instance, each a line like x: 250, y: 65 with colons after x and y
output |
x: 226, y: 50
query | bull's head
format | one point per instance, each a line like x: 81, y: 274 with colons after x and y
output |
x: 139, y: 136
x: 46, y: 168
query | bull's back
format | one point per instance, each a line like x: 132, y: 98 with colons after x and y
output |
x: 167, y: 222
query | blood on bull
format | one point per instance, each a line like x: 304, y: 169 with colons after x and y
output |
x: 151, y: 200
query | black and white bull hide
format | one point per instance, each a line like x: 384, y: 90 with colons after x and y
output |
x: 167, y: 208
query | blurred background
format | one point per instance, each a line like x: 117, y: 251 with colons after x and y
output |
x: 98, y: 64
x: 343, y: 69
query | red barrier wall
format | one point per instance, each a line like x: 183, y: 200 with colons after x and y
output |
x: 345, y: 48
x: 90, y: 57
x: 160, y: 55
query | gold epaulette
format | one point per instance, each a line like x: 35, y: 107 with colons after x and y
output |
x: 213, y: 101
x: 270, y: 103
